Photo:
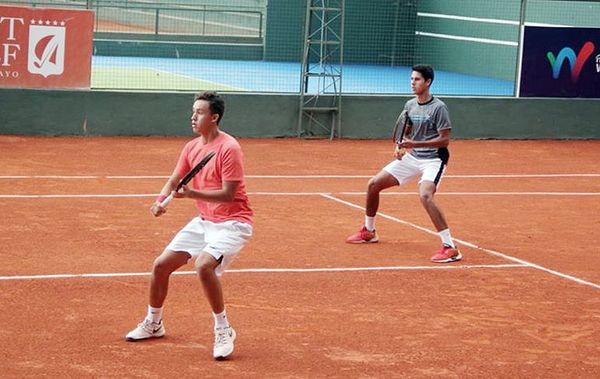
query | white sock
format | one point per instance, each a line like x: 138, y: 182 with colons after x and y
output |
x: 221, y: 320
x: 154, y: 314
x: 446, y: 238
x: 370, y: 223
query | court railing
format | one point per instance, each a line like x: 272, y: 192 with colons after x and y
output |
x: 116, y: 19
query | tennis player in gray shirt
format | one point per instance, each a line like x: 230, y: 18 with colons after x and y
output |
x: 421, y: 151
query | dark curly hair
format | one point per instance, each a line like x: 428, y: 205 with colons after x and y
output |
x: 215, y: 102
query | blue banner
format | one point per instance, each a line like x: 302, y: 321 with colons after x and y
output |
x: 560, y: 62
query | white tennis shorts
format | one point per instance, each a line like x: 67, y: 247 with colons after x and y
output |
x: 222, y: 240
x: 409, y: 167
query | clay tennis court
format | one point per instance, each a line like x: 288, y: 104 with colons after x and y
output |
x: 78, y: 241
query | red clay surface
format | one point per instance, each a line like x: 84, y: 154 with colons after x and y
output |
x: 526, y: 304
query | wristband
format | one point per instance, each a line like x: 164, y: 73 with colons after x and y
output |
x: 161, y: 198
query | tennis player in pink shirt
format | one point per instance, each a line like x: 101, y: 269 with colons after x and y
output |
x: 213, y: 238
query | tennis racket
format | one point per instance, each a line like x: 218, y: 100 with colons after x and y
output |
x: 400, y: 127
x: 186, y: 179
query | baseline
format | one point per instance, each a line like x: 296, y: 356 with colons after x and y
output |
x: 134, y: 177
x: 265, y: 270
x: 264, y: 193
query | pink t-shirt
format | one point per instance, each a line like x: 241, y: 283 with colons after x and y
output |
x: 226, y: 165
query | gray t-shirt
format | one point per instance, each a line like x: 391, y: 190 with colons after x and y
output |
x: 426, y: 120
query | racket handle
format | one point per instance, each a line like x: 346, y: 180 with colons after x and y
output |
x: 166, y: 201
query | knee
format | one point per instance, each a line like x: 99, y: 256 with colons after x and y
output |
x: 204, y: 269
x: 160, y: 267
x: 373, y: 186
x: 426, y: 199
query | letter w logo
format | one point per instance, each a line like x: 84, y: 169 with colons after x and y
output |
x: 575, y: 62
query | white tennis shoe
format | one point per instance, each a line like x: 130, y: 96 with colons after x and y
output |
x: 146, y: 329
x: 224, y: 338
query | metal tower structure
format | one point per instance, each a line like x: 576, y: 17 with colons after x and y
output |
x: 322, y: 62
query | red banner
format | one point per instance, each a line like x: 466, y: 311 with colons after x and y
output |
x: 45, y: 48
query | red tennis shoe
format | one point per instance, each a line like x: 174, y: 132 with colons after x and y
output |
x: 364, y: 235
x: 447, y: 254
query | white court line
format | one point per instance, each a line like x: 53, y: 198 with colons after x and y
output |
x: 264, y: 270
x: 485, y: 176
x: 466, y: 18
x: 135, y: 177
x: 469, y: 244
x: 82, y: 196
x: 50, y: 177
x: 485, y: 193
x: 266, y: 193
x: 488, y: 20
x: 388, y: 193
x: 469, y: 39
